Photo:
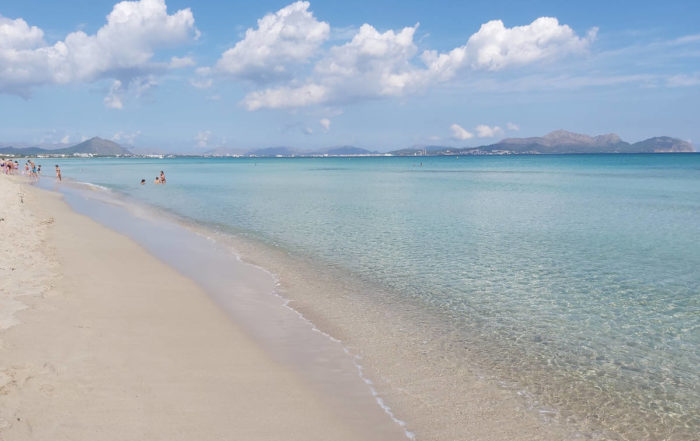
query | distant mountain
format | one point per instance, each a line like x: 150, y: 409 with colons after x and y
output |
x: 427, y: 150
x: 273, y: 151
x: 223, y: 151
x: 28, y: 151
x: 94, y: 146
x: 562, y: 142
x: 663, y: 144
x: 346, y: 150
x: 98, y: 146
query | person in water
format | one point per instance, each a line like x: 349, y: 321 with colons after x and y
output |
x: 162, y: 177
x: 143, y: 182
x: 33, y: 172
x: 58, y: 172
x: 157, y: 181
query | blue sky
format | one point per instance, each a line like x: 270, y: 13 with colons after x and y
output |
x: 192, y: 76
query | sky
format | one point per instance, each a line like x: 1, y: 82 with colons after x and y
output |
x: 185, y: 76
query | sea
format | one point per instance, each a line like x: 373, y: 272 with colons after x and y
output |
x: 571, y: 280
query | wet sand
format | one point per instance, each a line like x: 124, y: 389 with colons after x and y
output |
x: 101, y: 340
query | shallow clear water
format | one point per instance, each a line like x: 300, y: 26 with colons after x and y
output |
x: 576, y: 277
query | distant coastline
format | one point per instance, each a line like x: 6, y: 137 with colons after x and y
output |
x: 555, y: 143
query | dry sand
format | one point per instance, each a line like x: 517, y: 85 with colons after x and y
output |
x: 99, y: 340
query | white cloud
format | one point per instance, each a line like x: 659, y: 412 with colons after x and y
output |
x: 289, y: 36
x: 325, y: 123
x: 141, y: 85
x: 202, y: 138
x: 377, y: 64
x: 122, y: 49
x: 118, y: 92
x: 180, y: 62
x: 203, y: 79
x: 683, y: 80
x: 286, y: 97
x: 65, y: 139
x: 113, y: 100
x: 512, y: 126
x: 459, y: 133
x: 127, y: 137
x: 372, y: 64
x: 308, y: 131
x: 495, y: 47
x: 484, y: 131
x: 17, y: 34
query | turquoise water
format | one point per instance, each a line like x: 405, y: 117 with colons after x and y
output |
x: 577, y: 277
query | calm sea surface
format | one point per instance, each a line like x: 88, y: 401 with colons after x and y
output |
x: 579, y: 276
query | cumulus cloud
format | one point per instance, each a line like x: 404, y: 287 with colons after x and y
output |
x: 127, y: 137
x: 376, y: 64
x: 65, y: 139
x: 484, y: 131
x: 372, y: 64
x: 495, y: 47
x: 512, y: 126
x: 286, y: 97
x: 458, y: 132
x: 203, y: 79
x: 122, y: 49
x: 287, y: 37
x: 17, y: 34
x: 202, y: 138
x: 114, y: 98
x: 180, y: 62
x: 325, y: 123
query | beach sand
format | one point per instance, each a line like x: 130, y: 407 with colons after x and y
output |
x: 100, y: 340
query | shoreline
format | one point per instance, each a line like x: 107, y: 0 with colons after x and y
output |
x: 433, y: 375
x: 114, y: 342
x: 478, y: 408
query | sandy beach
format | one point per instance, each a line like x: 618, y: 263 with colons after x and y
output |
x: 100, y: 340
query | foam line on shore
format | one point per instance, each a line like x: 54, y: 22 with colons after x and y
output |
x: 82, y: 202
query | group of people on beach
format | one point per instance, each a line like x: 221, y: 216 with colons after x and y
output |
x: 31, y: 169
x: 10, y: 167
x: 159, y: 179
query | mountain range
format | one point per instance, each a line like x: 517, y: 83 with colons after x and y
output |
x: 93, y: 146
x: 557, y: 142
x: 561, y: 141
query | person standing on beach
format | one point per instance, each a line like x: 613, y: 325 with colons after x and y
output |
x: 58, y: 172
